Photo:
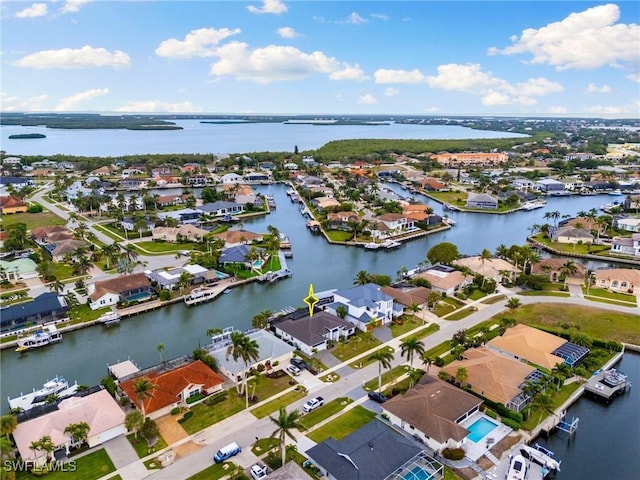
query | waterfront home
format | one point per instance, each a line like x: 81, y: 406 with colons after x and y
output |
x: 522, y: 184
x: 342, y: 220
x: 170, y: 279
x: 433, y: 411
x: 18, y: 269
x: 623, y: 280
x: 61, y: 250
x: 626, y: 245
x: 366, y: 305
x: 11, y: 204
x: 133, y: 184
x: 232, y: 238
x: 553, y: 268
x: 99, y: 410
x: 257, y: 177
x: 571, y: 234
x: 549, y: 185
x: 170, y: 200
x: 397, y: 223
x: 183, y: 233
x: 431, y: 184
x: 272, y: 352
x: 231, y: 178
x: 323, y: 203
x: 417, y: 212
x: 321, y: 190
x: 240, y: 254
x: 51, y: 234
x: 470, y: 158
x: 373, y: 452
x: 130, y: 224
x: 221, y: 208
x: 628, y: 224
x: 632, y: 203
x: 101, y: 171
x: 445, y: 279
x: 310, y: 334
x: 406, y: 295
x: 173, y: 388
x: 291, y: 166
x: 537, y: 347
x: 306, y: 181
x: 185, y: 215
x: 45, y: 308
x: 496, y: 269
x: 496, y: 377
x: 481, y: 200
x: 125, y: 288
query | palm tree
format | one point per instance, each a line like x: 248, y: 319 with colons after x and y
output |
x: 261, y: 320
x: 411, y: 346
x: 134, y: 421
x: 8, y: 424
x: 462, y: 375
x: 513, y: 303
x: 78, y: 432
x: 544, y: 403
x: 484, y: 256
x: 35, y: 446
x: 426, y: 360
x: 342, y: 311
x: 56, y: 286
x: 362, y: 278
x: 184, y: 280
x: 82, y: 265
x: 567, y: 269
x: 143, y: 389
x: 160, y: 348
x: 47, y: 445
x: 7, y: 450
x: 383, y: 357
x: 285, y: 422
x: 244, y: 348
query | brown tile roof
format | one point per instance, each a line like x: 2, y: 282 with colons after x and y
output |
x: 408, y: 297
x: 491, y: 374
x: 621, y: 274
x: 390, y: 217
x: 236, y: 236
x: 446, y: 282
x: 530, y: 344
x: 66, y: 247
x: 123, y: 283
x: 433, y: 406
x: 555, y: 264
x: 43, y: 232
x: 311, y: 330
x: 169, y: 384
x: 11, y: 202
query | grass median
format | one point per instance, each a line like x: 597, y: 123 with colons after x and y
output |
x: 316, y: 416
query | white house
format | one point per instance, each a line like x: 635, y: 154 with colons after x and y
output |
x: 311, y: 334
x: 366, y: 305
x: 626, y: 245
x: 628, y: 224
x: 231, y: 178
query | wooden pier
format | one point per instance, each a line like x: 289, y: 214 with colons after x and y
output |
x: 606, y: 384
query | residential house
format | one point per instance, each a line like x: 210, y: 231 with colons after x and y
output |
x: 406, y: 296
x: 12, y: 161
x: 18, y: 269
x: 101, y: 171
x: 494, y: 268
x: 290, y: 166
x: 531, y: 345
x: 433, y: 411
x: 310, y: 334
x: 184, y: 233
x: 60, y: 250
x: 623, y: 280
x: 128, y: 172
x: 125, y: 288
x: 257, y: 177
x: 234, y: 237
x: 10, y: 205
x: 431, y: 184
x: 397, y: 223
x: 628, y: 224
x: 240, y: 193
x: 199, y: 180
x: 98, y: 410
x: 549, y: 185
x: 170, y: 279
x: 322, y: 203
x: 239, y: 254
x: 522, y: 184
x: 632, y: 203
x: 444, y: 279
x: 373, y: 452
x: 134, y: 183
x: 170, y: 200
x: 417, y: 212
x: 553, y: 268
x: 321, y: 190
x: 51, y: 234
x: 185, y: 215
x: 481, y: 200
x: 221, y: 208
x: 342, y: 220
x: 231, y: 178
x: 571, y: 234
x: 366, y: 305
x: 129, y: 224
x: 470, y: 158
x: 626, y: 245
x: 47, y: 307
x: 17, y: 182
x: 173, y: 388
x: 271, y: 352
x: 496, y: 377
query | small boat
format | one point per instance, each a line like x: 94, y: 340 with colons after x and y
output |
x: 615, y: 193
x: 285, y: 243
x: 372, y: 246
x: 391, y: 244
x: 541, y: 456
x: 44, y: 336
x: 518, y: 468
x: 533, y: 204
x: 56, y: 386
x: 109, y: 318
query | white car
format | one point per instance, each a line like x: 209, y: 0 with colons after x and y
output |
x: 293, y: 370
x: 258, y: 471
x: 313, y: 404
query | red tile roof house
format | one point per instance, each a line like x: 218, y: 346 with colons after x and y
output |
x: 174, y: 387
x: 120, y: 289
x: 12, y: 205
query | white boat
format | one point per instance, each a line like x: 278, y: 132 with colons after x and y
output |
x: 109, y: 318
x: 533, y: 204
x: 43, y: 336
x: 391, y: 244
x: 518, y: 468
x: 615, y: 193
x: 541, y: 456
x: 449, y: 221
x: 56, y: 386
x: 372, y: 246
x: 200, y: 295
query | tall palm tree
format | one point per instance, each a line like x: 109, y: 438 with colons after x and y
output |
x: 133, y: 422
x: 461, y: 375
x: 362, y: 278
x: 567, y: 269
x: 7, y: 450
x: 78, y: 432
x: 383, y: 357
x: 484, y: 256
x: 411, y: 346
x: 143, y: 389
x: 242, y: 348
x: 285, y: 422
x: 544, y: 403
x: 426, y: 360
x: 56, y: 286
x: 8, y: 424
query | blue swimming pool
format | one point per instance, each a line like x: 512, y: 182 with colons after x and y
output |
x: 416, y: 473
x: 479, y: 429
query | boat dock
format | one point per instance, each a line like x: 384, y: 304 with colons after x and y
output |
x: 606, y: 384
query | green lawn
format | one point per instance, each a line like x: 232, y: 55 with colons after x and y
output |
x: 408, y: 323
x: 357, y: 344
x: 205, y: 415
x: 83, y: 313
x: 62, y: 271
x: 32, y: 220
x: 89, y: 467
x: 443, y: 308
x: 544, y: 293
x: 477, y: 294
x: 536, y: 416
x: 316, y: 416
x: 269, y: 386
x: 387, y: 376
x: 282, y: 401
x: 263, y: 445
x: 140, y: 445
x: 109, y: 233
x: 339, y: 235
x: 492, y: 300
x: 364, y: 361
x: 462, y: 313
x: 216, y: 471
x: 601, y: 292
x: 345, y: 424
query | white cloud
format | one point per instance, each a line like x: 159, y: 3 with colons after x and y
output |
x: 557, y: 109
x: 584, y: 40
x: 277, y: 63
x: 593, y: 88
x: 634, y: 77
x: 399, y: 76
x: 70, y: 103
x: 16, y: 104
x: 380, y: 16
x: 433, y: 110
x: 355, y: 19
x: 631, y: 109
x: 287, y: 32
x: 269, y: 6
x: 197, y: 43
x: 72, y: 6
x: 391, y: 92
x: 85, y: 57
x: 155, y: 106
x: 367, y: 99
x: 35, y: 10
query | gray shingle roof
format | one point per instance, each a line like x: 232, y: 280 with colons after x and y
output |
x: 311, y: 330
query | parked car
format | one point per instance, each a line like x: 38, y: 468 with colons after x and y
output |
x: 313, y: 404
x: 299, y: 363
x: 377, y: 397
x: 258, y: 471
x: 226, y: 452
x: 293, y: 370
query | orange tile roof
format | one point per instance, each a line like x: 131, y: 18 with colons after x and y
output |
x: 530, y: 344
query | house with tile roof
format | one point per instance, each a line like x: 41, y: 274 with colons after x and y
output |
x: 433, y: 410
x: 124, y: 288
x: 342, y: 220
x: 59, y: 250
x: 445, y: 279
x: 173, y: 388
x: 623, y: 280
x: 99, y: 410
x: 186, y: 232
x: 44, y: 234
x: 571, y: 234
x: 235, y: 237
x: 310, y: 334
x: 11, y: 204
x: 221, y: 208
x: 626, y: 245
x: 366, y: 305
x: 552, y: 268
x: 496, y: 269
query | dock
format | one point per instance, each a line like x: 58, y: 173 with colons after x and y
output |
x: 606, y: 384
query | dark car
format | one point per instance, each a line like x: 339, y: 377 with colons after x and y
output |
x: 298, y: 362
x: 377, y: 397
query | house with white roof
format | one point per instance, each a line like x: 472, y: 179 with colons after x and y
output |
x: 366, y: 305
x: 628, y: 224
x: 626, y: 245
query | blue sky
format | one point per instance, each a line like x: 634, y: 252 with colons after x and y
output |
x: 556, y: 58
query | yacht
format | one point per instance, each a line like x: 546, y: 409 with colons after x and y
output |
x: 615, y: 193
x: 43, y: 336
x: 56, y: 386
x: 372, y: 246
x: 109, y: 318
x: 518, y: 468
x: 541, y: 456
x: 533, y: 204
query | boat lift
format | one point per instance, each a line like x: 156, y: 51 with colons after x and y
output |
x: 569, y: 427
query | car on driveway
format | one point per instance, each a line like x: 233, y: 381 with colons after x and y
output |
x: 293, y: 370
x: 313, y: 404
x: 299, y: 363
x: 377, y: 397
x: 258, y: 471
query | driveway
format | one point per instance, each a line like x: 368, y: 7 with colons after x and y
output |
x: 327, y: 358
x: 172, y: 432
x: 383, y: 334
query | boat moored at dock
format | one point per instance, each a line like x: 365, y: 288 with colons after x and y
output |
x: 57, y: 386
x: 541, y: 456
x: 606, y: 384
x: 109, y: 318
x: 45, y: 335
